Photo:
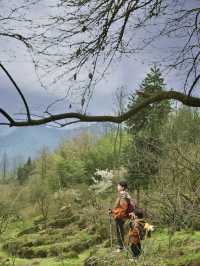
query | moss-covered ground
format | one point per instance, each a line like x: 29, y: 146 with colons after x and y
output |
x: 68, y: 245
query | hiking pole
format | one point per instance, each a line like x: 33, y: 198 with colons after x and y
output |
x: 110, y: 223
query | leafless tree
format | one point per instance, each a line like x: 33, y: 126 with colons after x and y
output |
x: 15, y: 21
x: 84, y: 37
x: 177, y: 193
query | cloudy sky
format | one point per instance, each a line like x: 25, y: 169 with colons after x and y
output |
x: 128, y: 72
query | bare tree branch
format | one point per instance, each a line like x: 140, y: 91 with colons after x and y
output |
x: 193, y: 84
x: 84, y: 37
x: 166, y: 95
x: 18, y: 37
x: 7, y: 116
x: 18, y: 90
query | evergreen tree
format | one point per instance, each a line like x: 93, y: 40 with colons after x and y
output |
x: 24, y: 172
x: 145, y: 130
x: 154, y: 115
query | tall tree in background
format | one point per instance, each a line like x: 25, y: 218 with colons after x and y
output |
x: 25, y: 171
x: 145, y: 131
x: 183, y: 127
x: 4, y: 166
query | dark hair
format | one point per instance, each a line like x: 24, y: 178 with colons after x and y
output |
x: 123, y: 184
x: 139, y: 213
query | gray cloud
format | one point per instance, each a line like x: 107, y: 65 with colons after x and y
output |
x: 128, y: 72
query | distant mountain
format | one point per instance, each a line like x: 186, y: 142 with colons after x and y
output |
x: 24, y: 142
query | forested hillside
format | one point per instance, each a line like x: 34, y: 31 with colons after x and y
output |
x: 17, y: 144
x: 99, y: 133
x: 54, y: 209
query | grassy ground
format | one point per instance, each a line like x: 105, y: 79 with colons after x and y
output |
x: 182, y: 249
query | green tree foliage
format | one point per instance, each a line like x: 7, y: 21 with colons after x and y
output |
x: 102, y: 155
x: 77, y: 147
x: 77, y: 160
x: 71, y: 172
x: 44, y: 169
x: 145, y: 130
x: 150, y: 119
x: 24, y: 171
x: 70, y: 160
x: 183, y: 126
x: 44, y: 163
x: 40, y: 194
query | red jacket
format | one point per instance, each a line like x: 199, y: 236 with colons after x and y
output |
x: 122, y: 207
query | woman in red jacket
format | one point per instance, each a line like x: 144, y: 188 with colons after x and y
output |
x: 123, y: 209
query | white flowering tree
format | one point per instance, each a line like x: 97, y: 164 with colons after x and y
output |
x: 102, y: 181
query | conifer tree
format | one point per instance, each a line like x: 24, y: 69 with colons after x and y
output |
x: 145, y: 130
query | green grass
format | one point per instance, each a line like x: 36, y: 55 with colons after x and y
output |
x: 47, y: 261
x: 184, y: 250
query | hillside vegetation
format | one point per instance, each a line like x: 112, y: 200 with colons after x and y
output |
x: 54, y: 209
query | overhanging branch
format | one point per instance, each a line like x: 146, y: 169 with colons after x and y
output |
x: 166, y: 95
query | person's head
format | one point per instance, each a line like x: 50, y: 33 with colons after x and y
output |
x: 139, y: 213
x: 122, y: 186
